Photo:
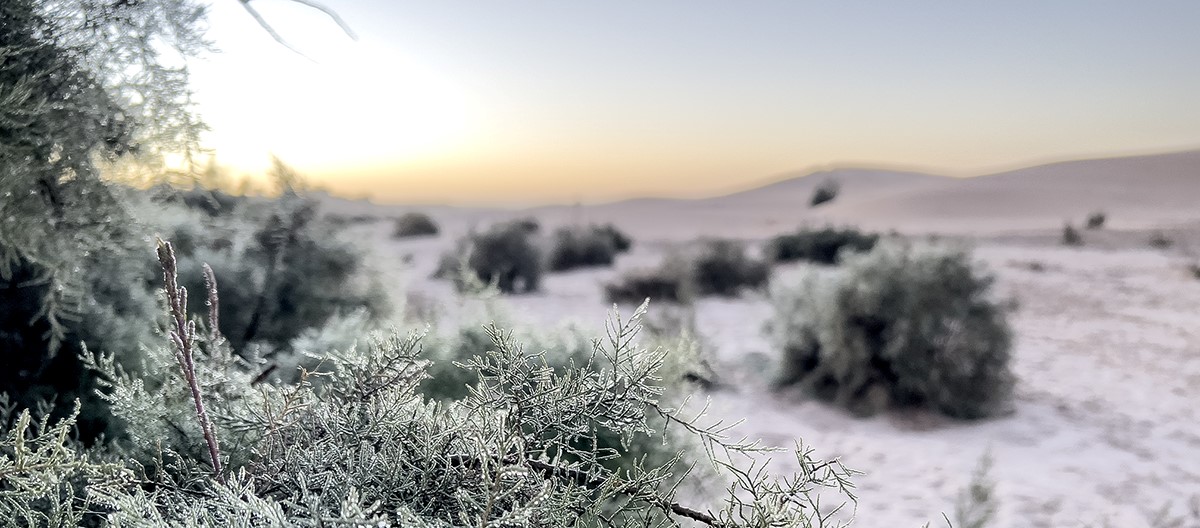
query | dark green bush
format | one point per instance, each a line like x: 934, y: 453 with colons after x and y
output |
x: 819, y: 245
x: 825, y: 192
x: 578, y: 246
x: 911, y: 325
x: 1096, y: 220
x: 722, y: 268
x: 505, y: 254
x: 414, y: 225
x: 670, y: 282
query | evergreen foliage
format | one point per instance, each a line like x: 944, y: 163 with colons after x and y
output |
x: 578, y: 246
x: 822, y: 245
x: 723, y: 268
x: 414, y: 224
x: 901, y: 325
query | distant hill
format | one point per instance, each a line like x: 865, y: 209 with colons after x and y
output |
x: 1137, y: 191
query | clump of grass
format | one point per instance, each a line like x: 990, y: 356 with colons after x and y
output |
x: 825, y: 192
x: 819, y: 245
x: 723, y: 268
x: 414, y: 224
x: 1071, y: 236
x: 908, y: 325
x: 578, y: 246
x: 1096, y: 220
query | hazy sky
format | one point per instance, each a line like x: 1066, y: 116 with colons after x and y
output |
x: 477, y: 101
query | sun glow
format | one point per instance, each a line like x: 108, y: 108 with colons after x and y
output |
x: 344, y: 104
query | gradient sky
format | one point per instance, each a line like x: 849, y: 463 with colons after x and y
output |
x: 497, y: 101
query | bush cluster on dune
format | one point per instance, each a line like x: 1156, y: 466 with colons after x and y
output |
x: 904, y: 324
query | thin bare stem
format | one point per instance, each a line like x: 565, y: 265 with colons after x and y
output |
x: 183, y: 335
x: 337, y: 19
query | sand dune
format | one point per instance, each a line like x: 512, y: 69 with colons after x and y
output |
x: 1137, y: 192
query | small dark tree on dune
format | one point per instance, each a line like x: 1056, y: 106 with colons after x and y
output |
x: 578, y: 246
x: 414, y: 225
x: 825, y: 192
x: 723, y: 268
x: 819, y: 245
x: 1096, y: 220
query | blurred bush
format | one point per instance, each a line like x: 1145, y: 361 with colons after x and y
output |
x: 1071, y: 236
x: 414, y: 225
x: 722, y: 268
x: 291, y: 270
x: 505, y: 255
x: 909, y: 325
x: 578, y: 246
x: 1160, y: 240
x: 1096, y: 220
x: 670, y: 282
x: 819, y: 245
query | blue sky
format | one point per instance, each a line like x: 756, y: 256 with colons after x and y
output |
x: 494, y: 101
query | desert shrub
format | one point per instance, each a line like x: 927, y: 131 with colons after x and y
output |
x: 819, y: 245
x: 1160, y: 240
x: 1071, y: 236
x: 293, y: 270
x: 824, y: 192
x: 505, y: 255
x: 722, y: 268
x: 1096, y: 220
x: 414, y: 225
x: 578, y: 246
x: 901, y: 325
x: 670, y: 282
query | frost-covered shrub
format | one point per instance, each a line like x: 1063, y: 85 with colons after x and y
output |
x: 578, y: 246
x: 722, y: 268
x: 208, y: 446
x: 292, y: 269
x: 819, y: 245
x: 414, y: 225
x: 505, y: 255
x: 825, y: 192
x: 901, y: 325
x: 670, y: 282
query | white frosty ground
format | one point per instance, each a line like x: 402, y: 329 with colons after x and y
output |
x: 1105, y: 429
